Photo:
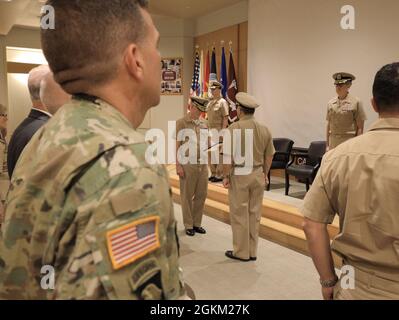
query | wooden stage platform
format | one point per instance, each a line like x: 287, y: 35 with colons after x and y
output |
x: 281, y: 222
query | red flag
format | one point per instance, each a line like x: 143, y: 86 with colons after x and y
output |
x: 232, y: 90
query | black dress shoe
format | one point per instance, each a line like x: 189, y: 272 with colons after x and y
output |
x: 252, y: 258
x: 211, y: 178
x: 200, y: 230
x: 230, y: 254
x: 217, y: 180
x: 190, y: 232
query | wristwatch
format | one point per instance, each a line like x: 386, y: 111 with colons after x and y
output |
x: 329, y: 283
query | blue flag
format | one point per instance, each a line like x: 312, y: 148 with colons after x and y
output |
x: 223, y: 74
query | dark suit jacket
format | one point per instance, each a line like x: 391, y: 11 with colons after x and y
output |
x: 22, y: 135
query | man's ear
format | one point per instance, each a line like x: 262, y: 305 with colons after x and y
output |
x: 134, y: 62
x: 374, y: 104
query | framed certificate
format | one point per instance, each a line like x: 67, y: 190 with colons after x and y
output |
x: 172, y: 76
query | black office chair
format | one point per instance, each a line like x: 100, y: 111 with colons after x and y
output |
x: 282, y: 156
x: 307, y: 172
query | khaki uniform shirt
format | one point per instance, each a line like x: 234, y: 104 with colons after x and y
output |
x: 193, y: 142
x: 359, y: 180
x: 262, y: 139
x: 217, y: 111
x: 85, y: 201
x: 343, y: 115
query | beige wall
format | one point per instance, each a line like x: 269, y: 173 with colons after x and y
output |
x: 19, y: 100
x: 226, y: 17
x: 13, y: 90
x: 24, y: 38
x: 296, y: 46
x: 3, y: 71
x: 176, y: 41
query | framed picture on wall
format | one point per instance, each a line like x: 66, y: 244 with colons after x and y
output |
x: 172, y: 76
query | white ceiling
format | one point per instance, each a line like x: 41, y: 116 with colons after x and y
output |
x: 188, y: 8
x: 26, y: 12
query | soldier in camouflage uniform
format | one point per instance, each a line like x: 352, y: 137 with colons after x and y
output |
x: 83, y: 198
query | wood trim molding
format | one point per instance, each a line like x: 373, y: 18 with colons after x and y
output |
x: 16, y: 67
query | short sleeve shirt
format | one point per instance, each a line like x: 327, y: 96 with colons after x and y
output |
x: 343, y: 115
x: 262, y: 139
x: 217, y: 111
x: 195, y: 126
x: 359, y: 181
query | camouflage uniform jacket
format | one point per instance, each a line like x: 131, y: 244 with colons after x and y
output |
x: 84, y: 201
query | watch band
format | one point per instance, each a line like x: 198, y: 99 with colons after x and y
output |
x: 329, y: 283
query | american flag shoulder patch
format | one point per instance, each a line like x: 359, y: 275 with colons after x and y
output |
x: 133, y: 241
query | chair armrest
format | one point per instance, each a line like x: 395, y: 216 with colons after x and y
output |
x: 289, y: 163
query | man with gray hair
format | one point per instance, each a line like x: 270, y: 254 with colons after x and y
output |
x: 38, y: 116
x: 52, y: 95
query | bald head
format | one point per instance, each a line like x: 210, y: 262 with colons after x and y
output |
x: 51, y: 94
x: 36, y: 76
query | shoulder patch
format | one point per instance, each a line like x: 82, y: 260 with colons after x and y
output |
x: 144, y: 272
x: 133, y: 241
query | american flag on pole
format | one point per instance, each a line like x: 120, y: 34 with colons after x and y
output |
x: 133, y: 241
x: 196, y: 86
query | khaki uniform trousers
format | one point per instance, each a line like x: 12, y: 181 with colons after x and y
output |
x: 193, y: 192
x: 337, y: 139
x: 216, y: 169
x: 246, y: 199
x: 368, y: 286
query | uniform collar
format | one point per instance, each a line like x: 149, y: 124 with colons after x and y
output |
x: 385, y: 123
x: 246, y: 117
x: 42, y: 111
x: 188, y: 119
x: 216, y: 99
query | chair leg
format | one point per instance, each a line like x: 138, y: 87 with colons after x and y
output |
x: 307, y: 185
x: 287, y: 183
x: 268, y: 185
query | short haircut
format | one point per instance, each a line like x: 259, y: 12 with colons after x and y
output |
x: 51, y: 94
x: 35, y: 77
x: 386, y: 88
x: 89, y: 38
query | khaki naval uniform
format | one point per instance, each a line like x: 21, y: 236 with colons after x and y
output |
x: 246, y: 191
x: 343, y: 116
x: 194, y: 186
x: 359, y: 180
x: 218, y: 109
